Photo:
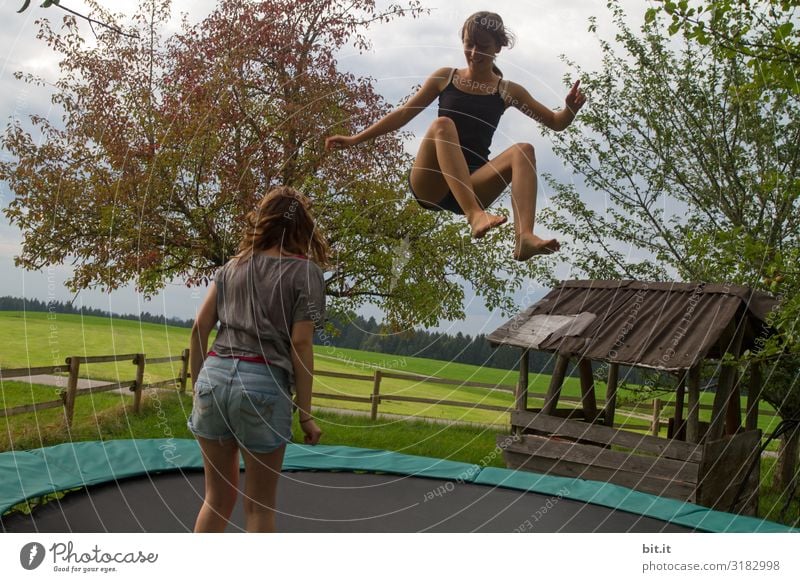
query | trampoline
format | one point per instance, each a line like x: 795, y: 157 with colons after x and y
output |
x: 156, y: 485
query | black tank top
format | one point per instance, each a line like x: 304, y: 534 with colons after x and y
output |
x: 476, y: 118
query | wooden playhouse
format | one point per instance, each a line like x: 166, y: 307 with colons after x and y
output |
x: 672, y: 327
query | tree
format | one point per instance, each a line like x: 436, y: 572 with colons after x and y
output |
x: 696, y: 175
x: 763, y: 31
x: 57, y: 4
x: 167, y: 143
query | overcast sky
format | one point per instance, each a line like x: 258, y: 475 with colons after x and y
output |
x: 404, y: 52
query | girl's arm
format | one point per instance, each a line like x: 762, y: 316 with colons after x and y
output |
x: 303, y: 365
x: 396, y: 119
x: 517, y: 96
x: 203, y: 324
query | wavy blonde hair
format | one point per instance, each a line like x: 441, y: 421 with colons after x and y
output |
x: 283, y: 219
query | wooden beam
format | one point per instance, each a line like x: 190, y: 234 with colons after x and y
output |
x: 733, y: 413
x: 72, y: 388
x: 611, y: 394
x: 571, y: 413
x: 693, y: 420
x: 161, y: 384
x: 102, y: 359
x: 680, y: 394
x: 655, y: 425
x: 139, y: 360
x: 722, y: 471
x: 521, y: 399
x: 440, y: 402
x: 345, y: 376
x: 593, y: 456
x: 184, y: 376
x: 753, y: 396
x: 560, y: 427
x: 25, y: 372
x: 420, y: 378
x: 725, y: 385
x: 587, y: 388
x: 163, y: 360
x: 718, y: 413
x: 364, y: 399
x: 35, y: 407
x: 376, y: 395
x: 556, y: 380
x: 107, y: 388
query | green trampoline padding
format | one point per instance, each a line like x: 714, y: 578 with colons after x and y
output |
x: 29, y: 474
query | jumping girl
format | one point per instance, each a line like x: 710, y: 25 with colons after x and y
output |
x: 268, y: 299
x: 452, y: 170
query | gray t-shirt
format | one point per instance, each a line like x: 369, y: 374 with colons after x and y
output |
x: 259, y: 299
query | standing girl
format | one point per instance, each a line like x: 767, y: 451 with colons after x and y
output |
x: 268, y: 299
x: 452, y: 170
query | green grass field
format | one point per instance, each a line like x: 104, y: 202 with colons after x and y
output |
x: 364, y: 363
x: 42, y: 339
x: 41, y: 342
x: 46, y: 340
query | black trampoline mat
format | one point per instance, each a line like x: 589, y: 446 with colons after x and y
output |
x: 331, y: 502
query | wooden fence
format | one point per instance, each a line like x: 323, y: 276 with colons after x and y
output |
x: 654, y: 420
x: 72, y: 392
x: 375, y: 398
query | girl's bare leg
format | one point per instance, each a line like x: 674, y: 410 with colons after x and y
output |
x: 221, y: 461
x: 440, y: 166
x: 261, y: 488
x: 516, y: 165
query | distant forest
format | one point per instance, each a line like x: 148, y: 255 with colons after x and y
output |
x: 363, y: 334
x: 358, y: 334
x: 8, y: 303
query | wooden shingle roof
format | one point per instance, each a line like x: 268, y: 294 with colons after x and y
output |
x: 666, y: 326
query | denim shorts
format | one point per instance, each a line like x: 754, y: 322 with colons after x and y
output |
x: 246, y: 401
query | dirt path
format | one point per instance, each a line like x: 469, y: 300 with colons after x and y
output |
x: 59, y: 381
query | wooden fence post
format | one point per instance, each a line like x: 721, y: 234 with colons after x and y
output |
x: 693, y: 415
x: 137, y: 388
x: 588, y: 398
x: 732, y: 342
x: 680, y: 396
x: 521, y: 397
x: 521, y: 391
x: 376, y: 395
x: 556, y: 380
x: 611, y: 394
x: 657, y: 405
x: 753, y: 397
x: 184, y: 369
x: 74, y: 364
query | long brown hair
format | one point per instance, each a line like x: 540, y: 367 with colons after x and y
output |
x: 283, y: 218
x: 491, y: 24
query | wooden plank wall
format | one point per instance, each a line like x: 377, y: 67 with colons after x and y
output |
x: 724, y: 467
x: 710, y: 474
x: 572, y: 448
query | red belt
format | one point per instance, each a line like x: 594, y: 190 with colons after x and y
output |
x: 256, y: 359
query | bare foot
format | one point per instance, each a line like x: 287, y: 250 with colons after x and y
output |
x: 481, y: 222
x: 529, y: 245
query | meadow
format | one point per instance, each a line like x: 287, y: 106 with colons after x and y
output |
x: 461, y: 434
x: 47, y: 339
